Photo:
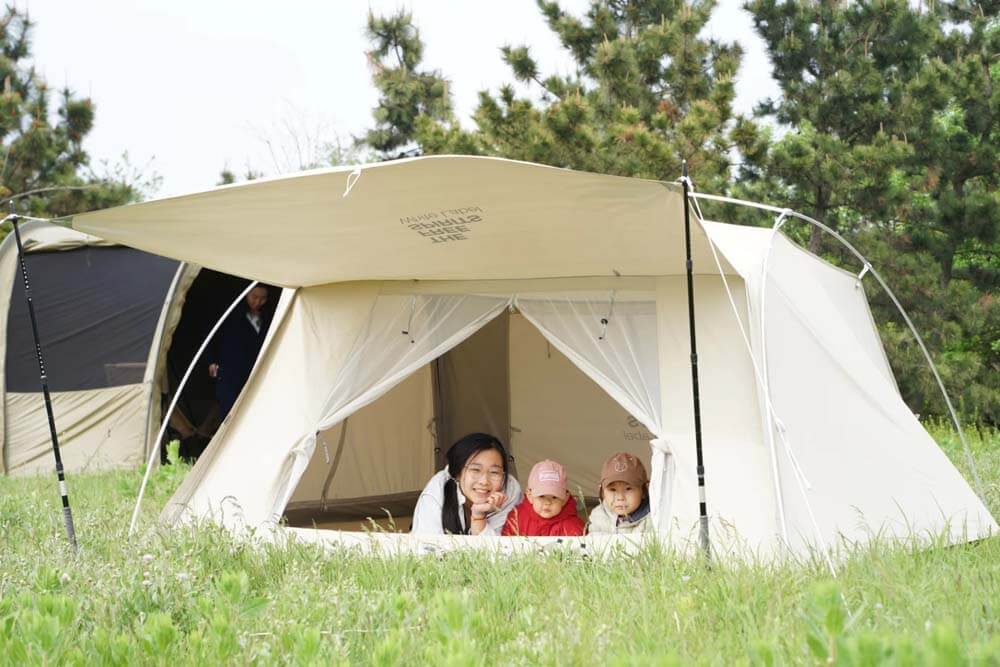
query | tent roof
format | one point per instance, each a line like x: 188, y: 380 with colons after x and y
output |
x: 38, y: 236
x: 442, y: 217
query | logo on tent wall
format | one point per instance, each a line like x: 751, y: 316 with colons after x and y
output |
x: 446, y: 225
x: 636, y: 430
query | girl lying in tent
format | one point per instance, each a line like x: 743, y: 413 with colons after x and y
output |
x: 473, y: 495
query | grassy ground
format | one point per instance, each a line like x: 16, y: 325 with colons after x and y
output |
x: 185, y: 597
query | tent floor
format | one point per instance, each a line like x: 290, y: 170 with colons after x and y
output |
x: 392, y: 513
x: 389, y: 513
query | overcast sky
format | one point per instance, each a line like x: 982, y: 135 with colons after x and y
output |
x: 189, y: 87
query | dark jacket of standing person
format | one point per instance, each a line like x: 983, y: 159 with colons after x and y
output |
x: 237, y: 345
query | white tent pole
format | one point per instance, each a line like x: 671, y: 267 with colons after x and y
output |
x: 155, y: 450
x: 765, y: 380
x: 895, y: 301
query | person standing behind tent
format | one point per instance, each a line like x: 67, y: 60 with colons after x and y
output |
x: 236, y: 347
x: 472, y: 495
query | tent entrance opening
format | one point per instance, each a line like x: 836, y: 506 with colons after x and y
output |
x: 197, y: 416
x: 367, y: 471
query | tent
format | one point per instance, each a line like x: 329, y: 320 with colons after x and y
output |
x: 118, y: 326
x: 435, y: 296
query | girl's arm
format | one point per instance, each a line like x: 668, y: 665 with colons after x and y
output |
x: 427, y: 516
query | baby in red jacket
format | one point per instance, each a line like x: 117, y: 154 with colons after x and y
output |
x: 547, y: 508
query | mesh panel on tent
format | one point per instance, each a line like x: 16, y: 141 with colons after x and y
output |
x: 613, y: 342
x: 97, y: 310
x: 402, y: 334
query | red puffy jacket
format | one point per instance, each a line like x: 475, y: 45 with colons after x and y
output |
x: 523, y: 520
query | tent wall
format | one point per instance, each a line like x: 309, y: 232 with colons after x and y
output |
x: 38, y: 236
x: 386, y: 448
x: 739, y: 483
x: 844, y: 420
x: 98, y: 429
x: 156, y: 365
x: 238, y: 478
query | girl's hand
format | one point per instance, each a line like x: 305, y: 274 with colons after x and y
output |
x: 492, y: 504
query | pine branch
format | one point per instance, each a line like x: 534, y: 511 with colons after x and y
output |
x: 54, y: 188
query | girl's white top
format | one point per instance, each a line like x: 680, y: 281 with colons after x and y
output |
x: 427, y: 514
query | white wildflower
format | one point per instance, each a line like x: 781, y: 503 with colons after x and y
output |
x: 147, y: 558
x: 64, y: 578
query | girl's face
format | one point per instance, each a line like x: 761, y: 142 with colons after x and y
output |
x: 482, y: 475
x: 622, y: 498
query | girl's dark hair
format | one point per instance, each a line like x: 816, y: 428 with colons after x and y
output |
x: 458, y: 455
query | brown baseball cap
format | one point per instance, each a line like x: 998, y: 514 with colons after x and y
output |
x: 624, y: 467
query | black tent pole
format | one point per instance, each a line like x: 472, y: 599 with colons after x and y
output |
x: 67, y: 513
x: 702, y: 504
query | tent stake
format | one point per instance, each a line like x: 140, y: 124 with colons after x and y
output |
x: 67, y: 512
x: 702, y: 503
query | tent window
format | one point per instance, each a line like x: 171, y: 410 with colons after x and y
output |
x: 97, y: 311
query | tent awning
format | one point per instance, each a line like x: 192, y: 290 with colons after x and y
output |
x: 429, y: 218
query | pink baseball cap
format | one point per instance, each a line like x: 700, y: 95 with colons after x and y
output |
x: 547, y: 478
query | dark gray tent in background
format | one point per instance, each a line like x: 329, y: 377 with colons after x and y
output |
x: 118, y: 327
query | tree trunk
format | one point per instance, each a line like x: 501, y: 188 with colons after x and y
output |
x: 951, y: 228
x: 818, y: 213
x: 947, y: 264
x: 815, y: 238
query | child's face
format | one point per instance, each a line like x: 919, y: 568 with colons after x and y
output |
x: 546, y: 506
x: 622, y: 498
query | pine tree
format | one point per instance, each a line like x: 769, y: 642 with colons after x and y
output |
x: 649, y: 91
x: 889, y: 117
x: 44, y: 166
x: 840, y: 150
x: 405, y: 91
x: 957, y: 212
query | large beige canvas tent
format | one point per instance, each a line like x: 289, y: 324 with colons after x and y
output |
x: 116, y: 326
x: 436, y: 296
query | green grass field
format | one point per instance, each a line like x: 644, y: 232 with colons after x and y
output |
x: 199, y: 598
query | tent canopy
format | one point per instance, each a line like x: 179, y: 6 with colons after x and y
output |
x: 444, y: 218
